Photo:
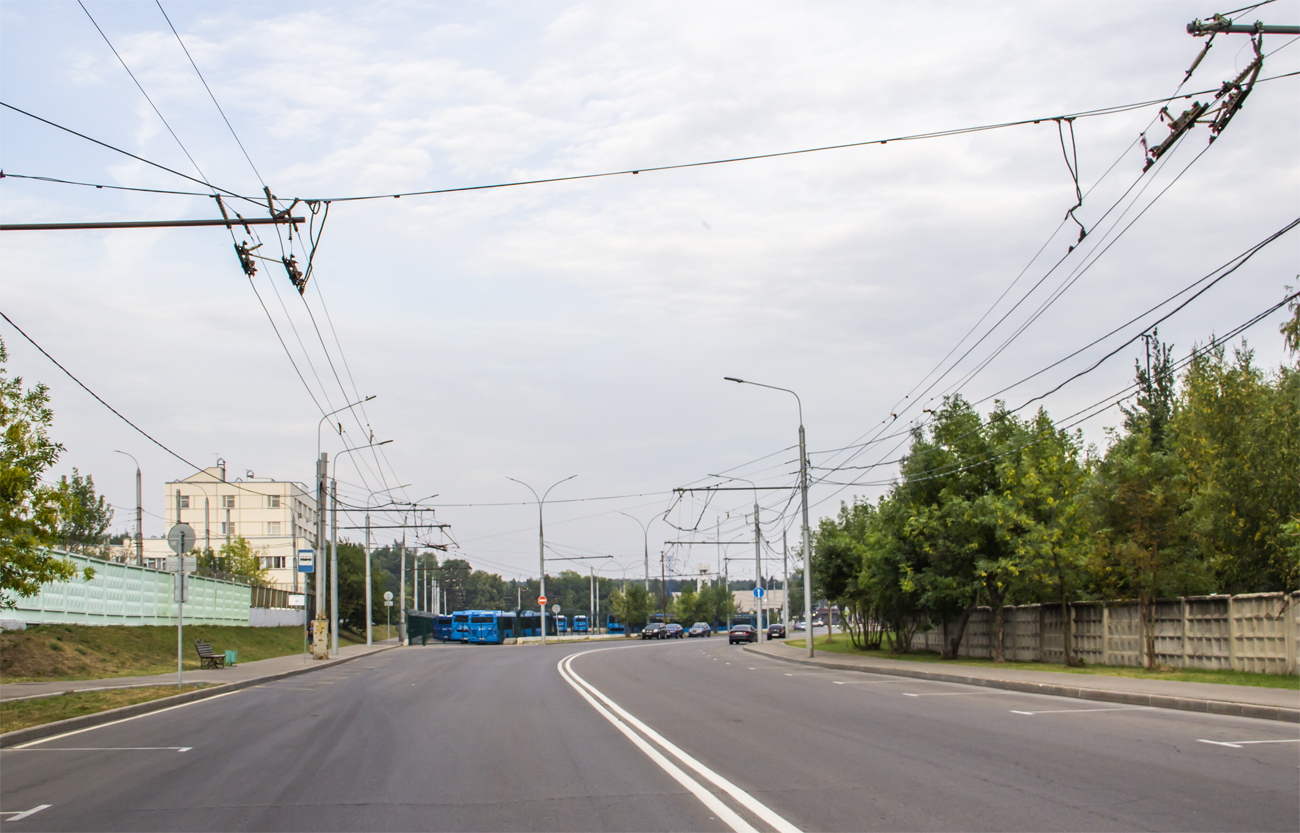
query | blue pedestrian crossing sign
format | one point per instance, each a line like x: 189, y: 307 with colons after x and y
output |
x: 758, y: 592
x: 306, y: 561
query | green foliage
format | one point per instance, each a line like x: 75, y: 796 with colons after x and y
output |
x: 631, y: 607
x: 85, y: 516
x: 236, y: 560
x: 352, y: 589
x: 29, y: 511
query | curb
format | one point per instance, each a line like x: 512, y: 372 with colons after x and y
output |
x: 1159, y: 701
x: 88, y: 721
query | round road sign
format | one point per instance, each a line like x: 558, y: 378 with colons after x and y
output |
x: 541, y: 600
x: 388, y: 595
x: 555, y: 608
x: 180, y: 538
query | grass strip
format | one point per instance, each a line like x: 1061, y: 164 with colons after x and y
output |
x: 45, y: 653
x: 843, y: 645
x: 20, y: 714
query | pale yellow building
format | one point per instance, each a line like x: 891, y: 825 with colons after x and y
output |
x: 277, y: 517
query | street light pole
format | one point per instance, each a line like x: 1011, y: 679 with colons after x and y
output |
x: 803, y: 488
x: 645, y: 537
x: 541, y: 541
x: 334, y: 547
x: 139, y: 513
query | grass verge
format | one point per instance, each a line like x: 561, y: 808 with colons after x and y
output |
x: 19, y: 714
x: 88, y: 652
x: 842, y: 645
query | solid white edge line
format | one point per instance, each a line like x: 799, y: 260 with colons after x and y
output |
x: 745, y: 799
x: 123, y: 720
x: 1237, y: 744
x: 725, y: 813
x: 1220, y: 743
x: 106, y: 749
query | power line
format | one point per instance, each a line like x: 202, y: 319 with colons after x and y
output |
x: 209, y: 89
x: 140, y: 87
x: 1101, y: 111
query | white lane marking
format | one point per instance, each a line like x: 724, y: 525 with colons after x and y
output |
x: 745, y: 799
x: 1237, y: 744
x: 734, y: 821
x: 104, y: 749
x: 1082, y: 711
x: 867, y: 682
x: 123, y: 720
x: 15, y: 816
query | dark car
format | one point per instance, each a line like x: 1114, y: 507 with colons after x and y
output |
x: 700, y: 629
x: 776, y: 630
x: 672, y: 631
x: 742, y: 633
x: 651, y: 631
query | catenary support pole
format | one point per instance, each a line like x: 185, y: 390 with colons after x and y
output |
x: 370, y: 613
x: 334, y: 568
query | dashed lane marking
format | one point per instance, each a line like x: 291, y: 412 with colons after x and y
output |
x: 105, y: 749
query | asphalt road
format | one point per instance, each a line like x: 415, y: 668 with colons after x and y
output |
x: 683, y: 735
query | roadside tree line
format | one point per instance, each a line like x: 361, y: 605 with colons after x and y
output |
x: 1196, y: 492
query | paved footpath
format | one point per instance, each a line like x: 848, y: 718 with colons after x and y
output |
x: 241, y: 672
x: 1216, y: 698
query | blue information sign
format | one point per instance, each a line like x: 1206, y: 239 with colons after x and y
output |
x: 306, y: 561
x: 758, y: 592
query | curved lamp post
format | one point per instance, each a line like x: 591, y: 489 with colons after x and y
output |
x: 541, y: 539
x: 139, y: 516
x: 645, y: 537
x: 803, y: 487
x: 334, y: 548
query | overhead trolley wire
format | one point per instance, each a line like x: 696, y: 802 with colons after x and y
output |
x: 1100, y: 111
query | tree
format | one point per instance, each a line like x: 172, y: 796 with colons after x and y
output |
x: 1236, y: 432
x: 85, y: 516
x: 236, y: 560
x: 29, y: 511
x: 631, y: 607
x: 352, y: 588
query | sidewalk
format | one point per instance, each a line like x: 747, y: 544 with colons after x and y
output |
x: 1247, y: 701
x: 240, y: 673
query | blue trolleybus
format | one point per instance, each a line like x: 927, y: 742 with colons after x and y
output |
x: 612, y: 625
x: 562, y: 624
x: 490, y: 627
x: 580, y: 623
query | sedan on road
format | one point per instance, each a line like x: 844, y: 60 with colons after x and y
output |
x: 742, y: 633
x: 672, y: 631
x: 651, y: 631
x: 776, y: 630
x: 700, y: 629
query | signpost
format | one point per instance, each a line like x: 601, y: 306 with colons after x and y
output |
x: 181, y: 539
x: 306, y: 561
x: 388, y: 603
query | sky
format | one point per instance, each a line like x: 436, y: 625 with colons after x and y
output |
x: 585, y: 327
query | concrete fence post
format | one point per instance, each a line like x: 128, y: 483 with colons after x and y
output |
x: 1232, y: 634
x: 1290, y: 629
x: 1183, y: 602
x: 1105, y: 634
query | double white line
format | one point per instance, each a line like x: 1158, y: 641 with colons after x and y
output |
x: 624, y: 722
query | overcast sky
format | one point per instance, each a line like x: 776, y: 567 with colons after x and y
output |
x: 585, y: 327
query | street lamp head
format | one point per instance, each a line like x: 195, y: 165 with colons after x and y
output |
x: 733, y: 379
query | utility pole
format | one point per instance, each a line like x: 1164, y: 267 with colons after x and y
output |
x: 334, y: 568
x: 758, y: 575
x: 401, y: 637
x: 369, y: 612
x: 139, y: 522
x: 318, y: 578
x: 785, y: 571
x: 663, y: 588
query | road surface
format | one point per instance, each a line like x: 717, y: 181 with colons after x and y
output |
x: 680, y: 735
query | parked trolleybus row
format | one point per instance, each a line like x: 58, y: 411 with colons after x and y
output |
x: 494, y: 627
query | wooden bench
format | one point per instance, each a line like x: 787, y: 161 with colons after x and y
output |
x: 207, y: 657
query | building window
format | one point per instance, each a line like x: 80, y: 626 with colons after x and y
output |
x: 272, y: 527
x: 227, y: 501
x: 185, y: 501
x: 273, y: 562
x: 227, y: 528
x: 272, y: 501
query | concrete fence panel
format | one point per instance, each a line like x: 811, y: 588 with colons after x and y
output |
x: 124, y: 594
